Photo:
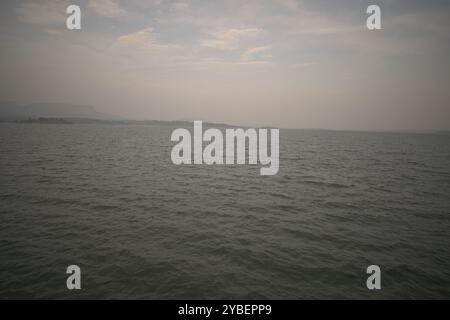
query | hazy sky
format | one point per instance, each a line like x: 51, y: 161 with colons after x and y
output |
x: 284, y: 63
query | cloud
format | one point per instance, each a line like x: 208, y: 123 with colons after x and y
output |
x: 216, y: 63
x: 106, y: 8
x: 45, y: 13
x: 145, y: 39
x: 229, y: 39
x: 180, y: 6
x: 289, y: 4
x: 257, y: 54
x: 143, y: 50
x: 303, y: 65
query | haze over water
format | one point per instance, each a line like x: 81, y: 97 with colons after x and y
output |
x: 108, y: 198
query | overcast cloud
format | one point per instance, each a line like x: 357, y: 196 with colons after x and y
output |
x: 285, y: 63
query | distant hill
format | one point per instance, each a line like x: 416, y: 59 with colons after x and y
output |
x: 52, y: 120
x: 62, y: 113
x: 175, y: 123
x: 13, y: 111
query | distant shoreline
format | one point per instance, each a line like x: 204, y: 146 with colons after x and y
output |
x: 188, y: 124
x: 70, y: 120
x: 45, y: 121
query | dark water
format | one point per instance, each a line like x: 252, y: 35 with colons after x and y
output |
x: 108, y: 199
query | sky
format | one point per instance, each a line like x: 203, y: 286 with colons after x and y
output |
x: 278, y: 63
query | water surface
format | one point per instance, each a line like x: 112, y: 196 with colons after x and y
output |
x: 108, y: 198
